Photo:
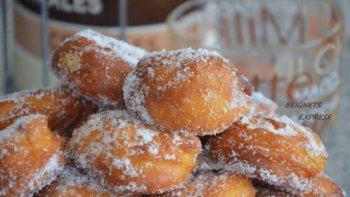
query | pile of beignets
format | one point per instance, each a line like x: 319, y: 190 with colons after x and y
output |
x: 126, y: 122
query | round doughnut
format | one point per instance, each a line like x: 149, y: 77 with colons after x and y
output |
x: 126, y: 156
x: 62, y: 109
x: 31, y: 156
x: 95, y: 66
x: 274, y: 150
x: 210, y: 184
x: 191, y: 91
x: 319, y: 186
x: 264, y: 105
x: 73, y: 183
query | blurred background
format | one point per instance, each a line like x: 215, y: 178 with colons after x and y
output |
x: 291, y: 50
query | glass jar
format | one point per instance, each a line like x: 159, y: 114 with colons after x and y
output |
x: 289, y: 50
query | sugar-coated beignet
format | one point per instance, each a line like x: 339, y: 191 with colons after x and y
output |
x: 126, y: 156
x: 31, y: 156
x: 73, y: 183
x: 210, y: 184
x: 191, y: 91
x: 319, y: 186
x: 62, y: 108
x: 95, y: 66
x: 274, y: 150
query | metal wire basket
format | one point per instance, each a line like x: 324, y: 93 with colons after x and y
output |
x: 6, y: 28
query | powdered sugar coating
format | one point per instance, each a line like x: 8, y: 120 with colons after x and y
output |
x: 41, y: 178
x: 208, y: 183
x: 74, y: 183
x: 8, y: 132
x: 135, y: 97
x: 320, y: 185
x: 263, y: 118
x: 130, y: 153
x: 72, y: 177
x: 167, y: 77
x: 324, y: 186
x: 291, y: 183
x: 147, y: 135
x: 23, y: 108
x: 286, y: 128
x: 129, y: 53
x: 48, y: 173
x: 95, y: 66
x: 62, y: 108
x: 315, y: 147
x: 180, y: 55
x: 264, y: 105
x: 20, y: 172
x: 273, y: 149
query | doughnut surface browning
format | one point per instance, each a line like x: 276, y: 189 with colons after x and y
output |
x: 30, y: 156
x: 319, y: 186
x: 274, y: 150
x: 62, y: 109
x: 73, y: 183
x: 210, y: 184
x: 191, y: 91
x: 95, y: 66
x: 323, y: 186
x: 126, y: 156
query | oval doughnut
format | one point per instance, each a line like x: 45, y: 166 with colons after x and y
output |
x: 319, y: 186
x: 191, y: 91
x: 95, y: 66
x: 31, y: 156
x: 210, y: 184
x: 73, y: 183
x: 274, y: 150
x: 126, y: 156
x: 62, y: 108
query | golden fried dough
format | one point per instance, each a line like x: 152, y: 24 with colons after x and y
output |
x: 95, y: 66
x: 191, y: 91
x: 30, y: 156
x: 319, y: 186
x: 126, y: 156
x: 323, y: 186
x: 275, y: 150
x: 73, y: 183
x: 62, y: 108
x: 210, y: 184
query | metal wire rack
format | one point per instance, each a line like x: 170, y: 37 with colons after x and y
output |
x: 5, y: 76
